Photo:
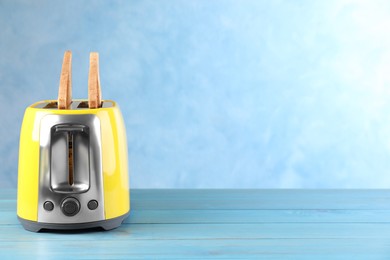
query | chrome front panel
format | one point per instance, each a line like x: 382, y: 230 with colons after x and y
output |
x: 86, y: 183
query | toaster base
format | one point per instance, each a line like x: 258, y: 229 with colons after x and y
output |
x: 108, y: 224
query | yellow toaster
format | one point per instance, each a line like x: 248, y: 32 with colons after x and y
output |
x: 73, y: 169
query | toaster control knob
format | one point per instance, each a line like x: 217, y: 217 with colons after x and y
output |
x: 48, y: 205
x: 70, y: 206
x: 92, y: 204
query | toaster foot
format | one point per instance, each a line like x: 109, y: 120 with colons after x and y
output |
x: 104, y: 224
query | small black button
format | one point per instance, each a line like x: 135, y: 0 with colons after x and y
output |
x: 48, y: 205
x: 92, y: 204
x: 70, y: 206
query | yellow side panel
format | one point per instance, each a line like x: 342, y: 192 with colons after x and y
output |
x: 115, y: 167
x: 28, y: 172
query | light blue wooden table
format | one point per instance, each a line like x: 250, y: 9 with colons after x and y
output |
x: 268, y: 224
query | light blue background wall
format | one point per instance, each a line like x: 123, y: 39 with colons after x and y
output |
x: 227, y: 94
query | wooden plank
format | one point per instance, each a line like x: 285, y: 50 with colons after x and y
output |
x: 215, y: 231
x: 257, y: 216
x: 260, y: 199
x: 268, y: 224
x: 238, y: 216
x: 199, y: 249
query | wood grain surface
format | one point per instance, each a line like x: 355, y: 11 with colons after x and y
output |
x: 197, y: 224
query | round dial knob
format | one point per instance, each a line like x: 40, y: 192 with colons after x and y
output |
x: 70, y: 206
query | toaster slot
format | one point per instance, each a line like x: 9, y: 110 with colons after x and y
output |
x: 69, y: 158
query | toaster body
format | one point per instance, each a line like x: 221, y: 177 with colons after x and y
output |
x: 73, y: 169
